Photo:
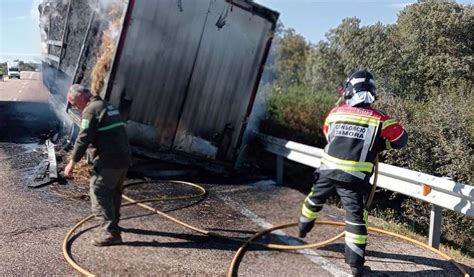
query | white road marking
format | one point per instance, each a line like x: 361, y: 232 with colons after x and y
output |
x: 310, y: 254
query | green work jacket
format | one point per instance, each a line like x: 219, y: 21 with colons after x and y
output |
x: 102, y: 128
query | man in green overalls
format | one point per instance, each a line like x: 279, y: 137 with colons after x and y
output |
x: 103, y: 128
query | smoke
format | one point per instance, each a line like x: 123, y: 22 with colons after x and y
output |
x: 34, y: 13
x: 259, y: 108
x: 57, y: 83
x: 103, y: 7
x: 40, y: 12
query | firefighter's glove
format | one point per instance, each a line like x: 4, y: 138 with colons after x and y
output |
x: 304, y: 225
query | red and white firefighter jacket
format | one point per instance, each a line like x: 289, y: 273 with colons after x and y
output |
x: 355, y: 135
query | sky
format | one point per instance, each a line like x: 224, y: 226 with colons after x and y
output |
x: 19, y: 31
x: 313, y: 18
x: 20, y: 38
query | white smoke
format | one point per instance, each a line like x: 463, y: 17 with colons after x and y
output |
x: 259, y: 108
x: 43, y: 20
x: 102, y: 7
x: 34, y: 13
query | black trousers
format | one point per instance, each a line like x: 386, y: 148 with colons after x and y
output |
x: 354, y: 199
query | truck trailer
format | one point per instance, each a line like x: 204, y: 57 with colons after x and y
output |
x: 183, y: 73
x: 13, y: 69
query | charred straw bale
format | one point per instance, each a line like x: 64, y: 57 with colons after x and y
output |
x: 109, y: 40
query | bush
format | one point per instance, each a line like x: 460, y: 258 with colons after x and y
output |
x: 441, y: 137
x: 441, y: 143
x: 457, y: 229
x: 298, y: 113
x: 3, y: 68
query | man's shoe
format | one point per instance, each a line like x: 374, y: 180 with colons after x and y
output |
x: 304, y: 227
x: 357, y: 271
x: 108, y: 239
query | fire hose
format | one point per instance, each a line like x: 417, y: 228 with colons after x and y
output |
x: 248, y: 241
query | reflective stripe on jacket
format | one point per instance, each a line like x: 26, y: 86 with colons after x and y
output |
x: 103, y: 128
x: 355, y: 135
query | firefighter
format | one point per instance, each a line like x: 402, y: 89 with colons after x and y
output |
x: 102, y: 128
x: 355, y: 133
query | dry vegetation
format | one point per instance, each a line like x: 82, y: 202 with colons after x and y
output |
x: 107, y: 49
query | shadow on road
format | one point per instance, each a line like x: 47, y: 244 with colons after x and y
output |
x: 190, y: 240
x: 445, y: 268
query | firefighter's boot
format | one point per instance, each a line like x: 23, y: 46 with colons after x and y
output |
x: 304, y: 226
x: 357, y: 271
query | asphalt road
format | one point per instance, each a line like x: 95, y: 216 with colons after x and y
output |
x: 33, y: 223
x: 29, y: 88
x: 25, y: 115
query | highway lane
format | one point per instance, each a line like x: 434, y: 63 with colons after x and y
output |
x: 28, y: 88
x: 25, y: 114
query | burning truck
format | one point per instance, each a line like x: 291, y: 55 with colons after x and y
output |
x: 183, y: 73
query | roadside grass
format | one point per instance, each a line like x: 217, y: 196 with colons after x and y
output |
x: 387, y: 223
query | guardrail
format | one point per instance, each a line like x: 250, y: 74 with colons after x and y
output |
x: 440, y: 192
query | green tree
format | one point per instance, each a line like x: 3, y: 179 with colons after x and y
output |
x: 324, y: 69
x: 3, y: 67
x: 436, y: 45
x: 291, y: 60
x: 368, y: 47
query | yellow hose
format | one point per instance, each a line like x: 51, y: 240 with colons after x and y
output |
x: 248, y: 241
x: 65, y: 248
x: 241, y: 250
x: 374, y: 185
x: 83, y: 271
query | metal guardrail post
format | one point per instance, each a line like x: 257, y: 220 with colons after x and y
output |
x: 435, y: 226
x: 280, y: 160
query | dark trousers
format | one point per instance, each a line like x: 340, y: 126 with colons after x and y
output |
x: 106, y: 188
x: 354, y: 199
